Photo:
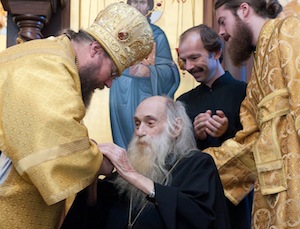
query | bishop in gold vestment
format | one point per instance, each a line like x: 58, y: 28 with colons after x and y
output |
x: 46, y: 152
x: 266, y: 153
x: 41, y: 133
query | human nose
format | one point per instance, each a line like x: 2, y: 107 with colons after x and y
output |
x: 140, y: 130
x: 221, y: 31
x: 189, y: 65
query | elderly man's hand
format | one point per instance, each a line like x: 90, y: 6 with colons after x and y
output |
x: 118, y: 158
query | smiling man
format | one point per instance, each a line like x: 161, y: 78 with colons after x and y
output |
x: 214, y: 105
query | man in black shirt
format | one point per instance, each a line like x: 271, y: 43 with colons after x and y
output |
x: 214, y: 105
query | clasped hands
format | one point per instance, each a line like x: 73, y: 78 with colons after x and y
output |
x: 207, y: 124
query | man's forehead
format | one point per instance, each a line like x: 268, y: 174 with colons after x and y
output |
x: 222, y: 11
x: 154, y: 107
x: 189, y: 40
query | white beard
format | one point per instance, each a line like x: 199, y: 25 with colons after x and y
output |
x: 148, y: 157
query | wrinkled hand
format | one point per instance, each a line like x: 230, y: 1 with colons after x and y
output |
x: 200, y: 124
x: 118, y: 158
x: 217, y: 124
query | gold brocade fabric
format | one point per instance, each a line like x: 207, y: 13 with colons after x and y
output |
x: 41, y: 132
x: 266, y: 153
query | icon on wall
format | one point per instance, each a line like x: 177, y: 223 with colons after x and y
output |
x: 155, y: 8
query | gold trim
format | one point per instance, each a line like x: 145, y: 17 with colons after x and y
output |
x: 51, y: 154
x: 272, y: 95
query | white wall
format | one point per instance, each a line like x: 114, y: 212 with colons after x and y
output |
x: 2, y: 42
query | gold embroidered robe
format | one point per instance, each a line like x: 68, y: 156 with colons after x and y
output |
x: 266, y: 153
x: 41, y: 131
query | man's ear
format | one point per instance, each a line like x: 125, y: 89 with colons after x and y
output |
x: 178, y: 127
x: 96, y: 48
x: 217, y: 54
x: 243, y: 10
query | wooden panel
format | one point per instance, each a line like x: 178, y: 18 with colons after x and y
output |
x: 35, y: 19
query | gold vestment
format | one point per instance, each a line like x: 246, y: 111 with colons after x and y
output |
x: 41, y: 131
x: 266, y: 153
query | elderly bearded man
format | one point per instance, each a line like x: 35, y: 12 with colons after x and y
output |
x: 162, y: 182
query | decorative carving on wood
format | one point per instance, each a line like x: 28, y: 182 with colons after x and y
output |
x: 30, y: 27
x: 31, y: 16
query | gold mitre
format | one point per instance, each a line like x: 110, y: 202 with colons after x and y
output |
x: 124, y: 33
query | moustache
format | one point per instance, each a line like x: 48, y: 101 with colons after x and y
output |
x: 196, y: 70
x: 143, y: 140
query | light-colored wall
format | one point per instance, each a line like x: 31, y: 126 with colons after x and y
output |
x: 2, y: 42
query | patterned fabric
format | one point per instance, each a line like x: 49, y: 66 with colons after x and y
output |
x: 266, y: 153
x: 41, y: 109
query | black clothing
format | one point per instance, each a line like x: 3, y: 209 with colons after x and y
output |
x: 226, y: 94
x: 195, y: 199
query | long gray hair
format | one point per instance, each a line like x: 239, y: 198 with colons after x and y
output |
x: 185, y: 141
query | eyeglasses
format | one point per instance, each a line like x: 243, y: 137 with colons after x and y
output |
x: 114, y: 73
x: 114, y: 70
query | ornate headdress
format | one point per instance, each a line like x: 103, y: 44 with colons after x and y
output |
x: 124, y: 33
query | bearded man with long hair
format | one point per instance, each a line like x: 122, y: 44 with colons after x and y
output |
x: 163, y: 181
x: 265, y: 154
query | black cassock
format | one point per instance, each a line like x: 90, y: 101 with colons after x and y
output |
x: 226, y: 94
x: 195, y: 199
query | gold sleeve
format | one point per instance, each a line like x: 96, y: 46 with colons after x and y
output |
x: 42, y: 122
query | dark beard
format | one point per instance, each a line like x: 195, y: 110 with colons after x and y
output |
x: 88, y: 84
x: 240, y: 47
